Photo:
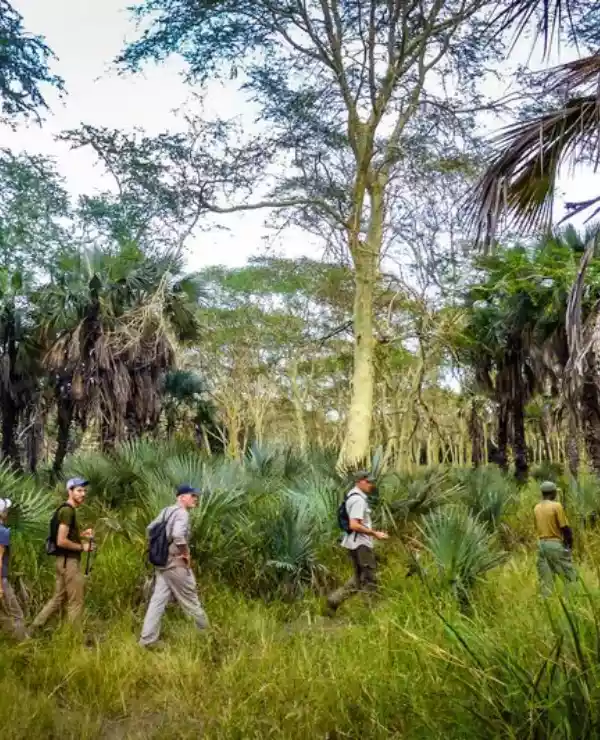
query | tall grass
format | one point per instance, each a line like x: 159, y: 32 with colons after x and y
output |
x: 412, y: 664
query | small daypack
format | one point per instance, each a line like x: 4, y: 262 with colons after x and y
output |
x: 51, y: 546
x: 342, y: 515
x: 158, y: 541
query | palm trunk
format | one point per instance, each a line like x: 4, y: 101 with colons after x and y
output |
x: 519, y: 442
x: 573, y: 444
x: 501, y: 457
x: 10, y: 418
x: 590, y: 408
x: 476, y: 434
x: 64, y: 419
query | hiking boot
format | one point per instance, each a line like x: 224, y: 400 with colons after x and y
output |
x: 158, y: 645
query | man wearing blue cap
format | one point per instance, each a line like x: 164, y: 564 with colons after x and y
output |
x: 66, y: 545
x: 175, y: 581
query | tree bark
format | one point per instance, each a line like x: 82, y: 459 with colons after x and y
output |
x: 64, y: 418
x: 355, y: 447
x: 476, y: 434
x: 10, y: 417
x: 501, y: 457
x: 573, y: 444
x: 590, y: 408
x: 519, y: 442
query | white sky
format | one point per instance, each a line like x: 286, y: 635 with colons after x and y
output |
x: 86, y: 35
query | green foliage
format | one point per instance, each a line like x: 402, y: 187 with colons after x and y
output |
x: 486, y: 494
x: 23, y: 66
x: 462, y: 549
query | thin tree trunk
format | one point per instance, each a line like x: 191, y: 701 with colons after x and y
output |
x: 519, y: 443
x: 476, y: 434
x: 501, y: 452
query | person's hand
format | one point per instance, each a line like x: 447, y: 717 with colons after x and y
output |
x: 1, y: 594
x: 88, y: 547
x: 186, y: 560
x: 88, y: 534
x: 381, y: 535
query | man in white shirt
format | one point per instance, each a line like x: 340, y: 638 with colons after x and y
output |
x: 359, y: 540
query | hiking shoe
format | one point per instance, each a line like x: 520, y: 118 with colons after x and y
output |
x: 158, y: 645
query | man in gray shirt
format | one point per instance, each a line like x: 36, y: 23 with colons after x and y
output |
x: 174, y: 582
x: 359, y: 541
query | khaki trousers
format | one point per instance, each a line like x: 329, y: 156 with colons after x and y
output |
x: 67, y: 592
x: 172, y: 584
x: 364, y: 579
x: 11, y: 614
x: 554, y: 559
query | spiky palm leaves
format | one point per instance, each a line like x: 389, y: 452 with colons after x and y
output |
x: 519, y: 184
x: 462, y: 549
x: 112, y: 324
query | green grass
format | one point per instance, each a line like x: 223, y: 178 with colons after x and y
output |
x: 489, y: 660
x: 400, y: 670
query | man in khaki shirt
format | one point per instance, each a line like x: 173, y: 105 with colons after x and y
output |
x: 555, y: 540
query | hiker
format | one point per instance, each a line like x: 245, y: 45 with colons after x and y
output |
x: 11, y: 614
x: 173, y: 576
x: 66, y: 545
x: 355, y: 519
x: 555, y: 540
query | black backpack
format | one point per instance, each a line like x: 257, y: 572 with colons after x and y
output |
x: 342, y: 515
x: 51, y: 546
x: 158, y: 541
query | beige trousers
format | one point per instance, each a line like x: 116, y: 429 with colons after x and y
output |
x: 67, y: 592
x: 11, y: 614
x: 173, y: 584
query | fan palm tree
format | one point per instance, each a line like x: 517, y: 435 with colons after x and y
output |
x: 519, y: 184
x: 500, y: 320
x: 19, y: 362
x: 111, y: 324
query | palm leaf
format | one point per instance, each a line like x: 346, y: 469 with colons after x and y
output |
x: 520, y: 181
x: 549, y: 17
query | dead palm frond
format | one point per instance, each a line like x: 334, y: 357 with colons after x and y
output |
x: 520, y: 183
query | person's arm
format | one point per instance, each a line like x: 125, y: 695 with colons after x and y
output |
x: 356, y: 513
x: 565, y: 529
x: 63, y: 541
x: 179, y: 535
x: 356, y: 525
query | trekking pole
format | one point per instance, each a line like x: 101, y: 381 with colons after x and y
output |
x: 88, y: 562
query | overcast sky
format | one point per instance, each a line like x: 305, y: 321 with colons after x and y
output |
x: 86, y: 35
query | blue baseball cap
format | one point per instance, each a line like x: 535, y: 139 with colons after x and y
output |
x: 76, y: 483
x: 186, y: 488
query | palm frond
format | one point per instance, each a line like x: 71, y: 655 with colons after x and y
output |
x: 519, y: 184
x: 548, y: 17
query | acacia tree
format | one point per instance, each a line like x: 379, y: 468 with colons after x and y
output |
x: 346, y: 91
x: 23, y: 66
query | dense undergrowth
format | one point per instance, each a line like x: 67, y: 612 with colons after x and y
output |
x: 458, y: 644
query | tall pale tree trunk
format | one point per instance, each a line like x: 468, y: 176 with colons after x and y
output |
x: 366, y: 255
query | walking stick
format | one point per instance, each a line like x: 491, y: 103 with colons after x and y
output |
x: 88, y: 562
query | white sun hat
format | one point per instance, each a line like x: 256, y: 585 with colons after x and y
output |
x: 5, y: 504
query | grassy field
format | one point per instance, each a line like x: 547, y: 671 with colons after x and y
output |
x: 413, y: 666
x: 464, y: 648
